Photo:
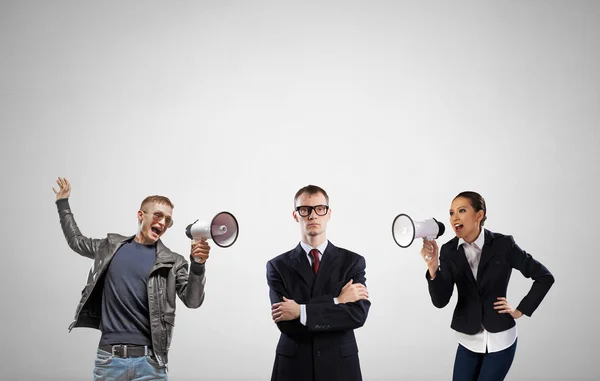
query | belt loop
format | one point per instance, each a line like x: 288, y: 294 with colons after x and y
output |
x: 124, y: 351
x: 145, y: 350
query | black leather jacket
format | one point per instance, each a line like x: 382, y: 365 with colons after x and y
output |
x: 169, y: 276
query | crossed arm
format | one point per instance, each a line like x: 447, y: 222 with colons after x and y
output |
x: 322, y: 313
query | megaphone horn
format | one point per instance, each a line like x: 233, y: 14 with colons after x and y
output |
x: 405, y: 230
x: 223, y: 229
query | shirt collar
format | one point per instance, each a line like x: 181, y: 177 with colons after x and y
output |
x: 307, y: 248
x: 478, y: 242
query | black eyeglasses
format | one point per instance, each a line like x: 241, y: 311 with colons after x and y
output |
x: 158, y: 216
x: 305, y: 211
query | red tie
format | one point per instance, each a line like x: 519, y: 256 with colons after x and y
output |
x: 315, y: 262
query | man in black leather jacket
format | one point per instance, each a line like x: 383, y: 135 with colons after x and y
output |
x: 131, y: 288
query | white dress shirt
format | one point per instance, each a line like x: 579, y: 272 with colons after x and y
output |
x: 307, y: 248
x: 494, y: 342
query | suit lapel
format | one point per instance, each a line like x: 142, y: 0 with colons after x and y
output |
x: 301, y: 265
x: 330, y: 261
x: 486, y: 253
x: 464, y: 264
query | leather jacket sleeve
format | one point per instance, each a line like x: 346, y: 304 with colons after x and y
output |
x: 190, y: 286
x: 87, y: 247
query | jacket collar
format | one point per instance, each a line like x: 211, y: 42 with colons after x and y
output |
x: 163, y: 253
x: 302, y: 266
x: 479, y: 242
x: 487, y: 253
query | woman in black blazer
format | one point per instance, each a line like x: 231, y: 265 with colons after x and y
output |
x: 480, y: 263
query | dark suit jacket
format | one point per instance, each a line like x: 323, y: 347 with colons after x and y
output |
x: 499, y: 255
x: 325, y: 349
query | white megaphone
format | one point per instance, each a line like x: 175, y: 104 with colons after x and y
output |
x: 405, y: 230
x: 223, y: 229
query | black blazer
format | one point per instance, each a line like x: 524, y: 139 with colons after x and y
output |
x: 325, y: 349
x: 499, y: 255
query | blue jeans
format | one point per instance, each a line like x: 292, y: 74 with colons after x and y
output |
x: 109, y: 368
x: 471, y: 366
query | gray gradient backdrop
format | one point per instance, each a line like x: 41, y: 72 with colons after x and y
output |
x: 390, y: 106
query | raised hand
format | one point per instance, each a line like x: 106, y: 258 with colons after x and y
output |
x: 64, y: 188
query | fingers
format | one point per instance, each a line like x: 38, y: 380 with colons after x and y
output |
x: 64, y: 187
x: 502, y: 306
x: 276, y: 315
x: 60, y: 186
x: 279, y: 313
x: 201, y: 247
x: 200, y: 250
x: 501, y: 303
x: 202, y: 242
x: 276, y: 308
x: 63, y: 183
x: 347, y: 285
x: 429, y: 250
x: 359, y: 292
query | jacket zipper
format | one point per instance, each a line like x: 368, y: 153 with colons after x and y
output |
x: 158, y: 306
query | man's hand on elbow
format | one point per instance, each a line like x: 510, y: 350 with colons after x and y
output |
x: 353, y: 292
x: 286, y: 310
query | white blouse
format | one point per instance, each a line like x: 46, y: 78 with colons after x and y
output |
x: 494, y: 342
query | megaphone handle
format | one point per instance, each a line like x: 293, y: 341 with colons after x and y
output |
x: 429, y: 238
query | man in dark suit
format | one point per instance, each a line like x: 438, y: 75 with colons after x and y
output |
x: 319, y: 296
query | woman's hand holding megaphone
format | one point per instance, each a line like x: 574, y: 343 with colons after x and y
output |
x: 429, y: 252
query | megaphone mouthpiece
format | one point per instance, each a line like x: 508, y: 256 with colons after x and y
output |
x: 441, y: 228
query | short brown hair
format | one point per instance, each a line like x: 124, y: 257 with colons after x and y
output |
x: 157, y: 199
x: 311, y: 189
